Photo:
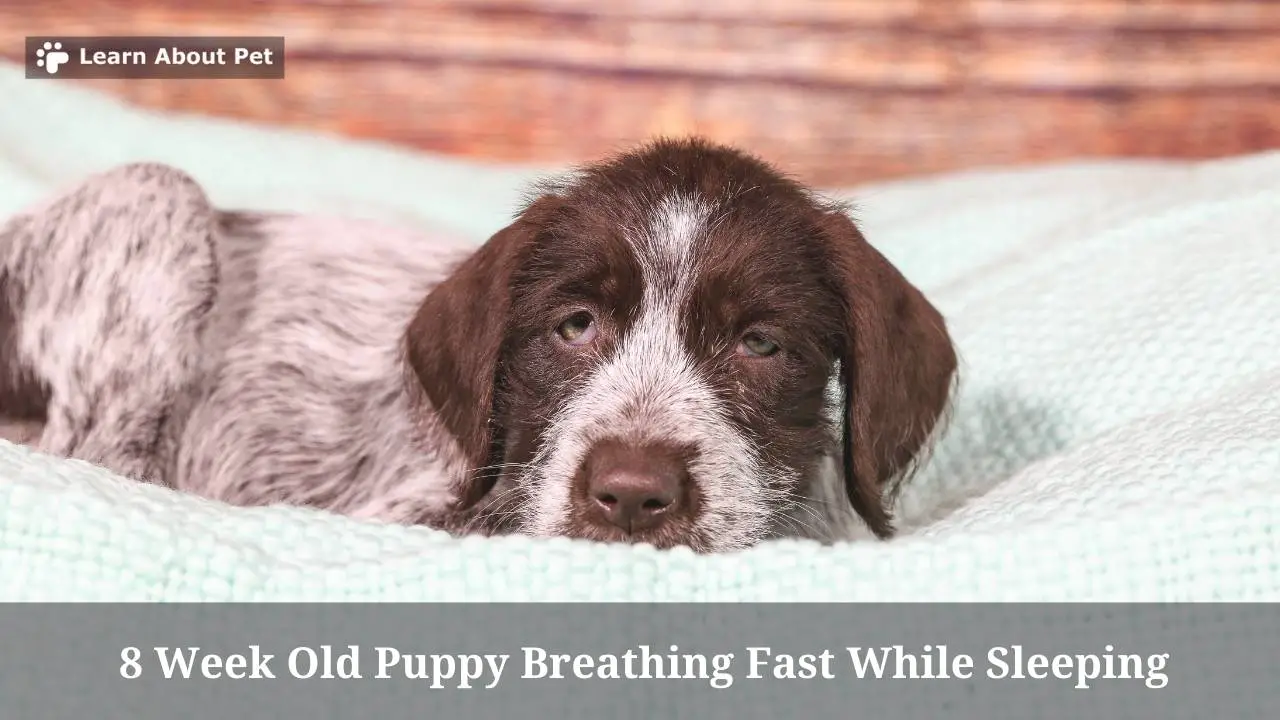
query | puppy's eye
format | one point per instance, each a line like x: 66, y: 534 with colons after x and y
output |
x: 579, y: 329
x: 756, y: 345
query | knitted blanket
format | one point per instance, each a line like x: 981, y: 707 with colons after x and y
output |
x: 1117, y: 435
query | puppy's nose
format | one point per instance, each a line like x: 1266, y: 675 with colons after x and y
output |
x: 636, y: 487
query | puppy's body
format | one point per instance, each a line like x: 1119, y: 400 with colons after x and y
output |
x: 304, y: 398
x: 357, y: 368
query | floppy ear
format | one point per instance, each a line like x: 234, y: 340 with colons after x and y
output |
x: 897, y: 363
x: 454, y: 344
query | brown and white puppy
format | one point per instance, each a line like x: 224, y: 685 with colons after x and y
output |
x: 676, y: 346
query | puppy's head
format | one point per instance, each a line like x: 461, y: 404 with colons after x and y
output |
x: 665, y: 348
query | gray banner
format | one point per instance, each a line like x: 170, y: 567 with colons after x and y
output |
x: 638, y: 661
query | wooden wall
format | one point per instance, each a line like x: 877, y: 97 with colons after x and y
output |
x: 840, y: 91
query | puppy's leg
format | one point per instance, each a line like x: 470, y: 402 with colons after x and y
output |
x: 23, y: 399
x: 107, y: 289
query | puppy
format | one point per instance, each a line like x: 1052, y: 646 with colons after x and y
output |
x: 676, y: 346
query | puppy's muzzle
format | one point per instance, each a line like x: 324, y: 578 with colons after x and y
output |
x: 636, y: 488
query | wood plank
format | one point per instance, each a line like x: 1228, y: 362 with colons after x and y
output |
x: 1063, y: 57
x: 1257, y: 15
x: 845, y: 12
x: 1172, y: 14
x: 826, y: 135
x: 1133, y: 60
x: 841, y: 91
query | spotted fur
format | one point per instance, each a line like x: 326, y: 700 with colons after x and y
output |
x: 363, y: 369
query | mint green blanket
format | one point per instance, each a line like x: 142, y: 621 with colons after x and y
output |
x: 1117, y: 436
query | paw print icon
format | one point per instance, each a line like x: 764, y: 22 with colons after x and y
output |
x: 51, y: 57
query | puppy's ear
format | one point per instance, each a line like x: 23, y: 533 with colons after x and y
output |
x: 898, y: 364
x: 454, y: 344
